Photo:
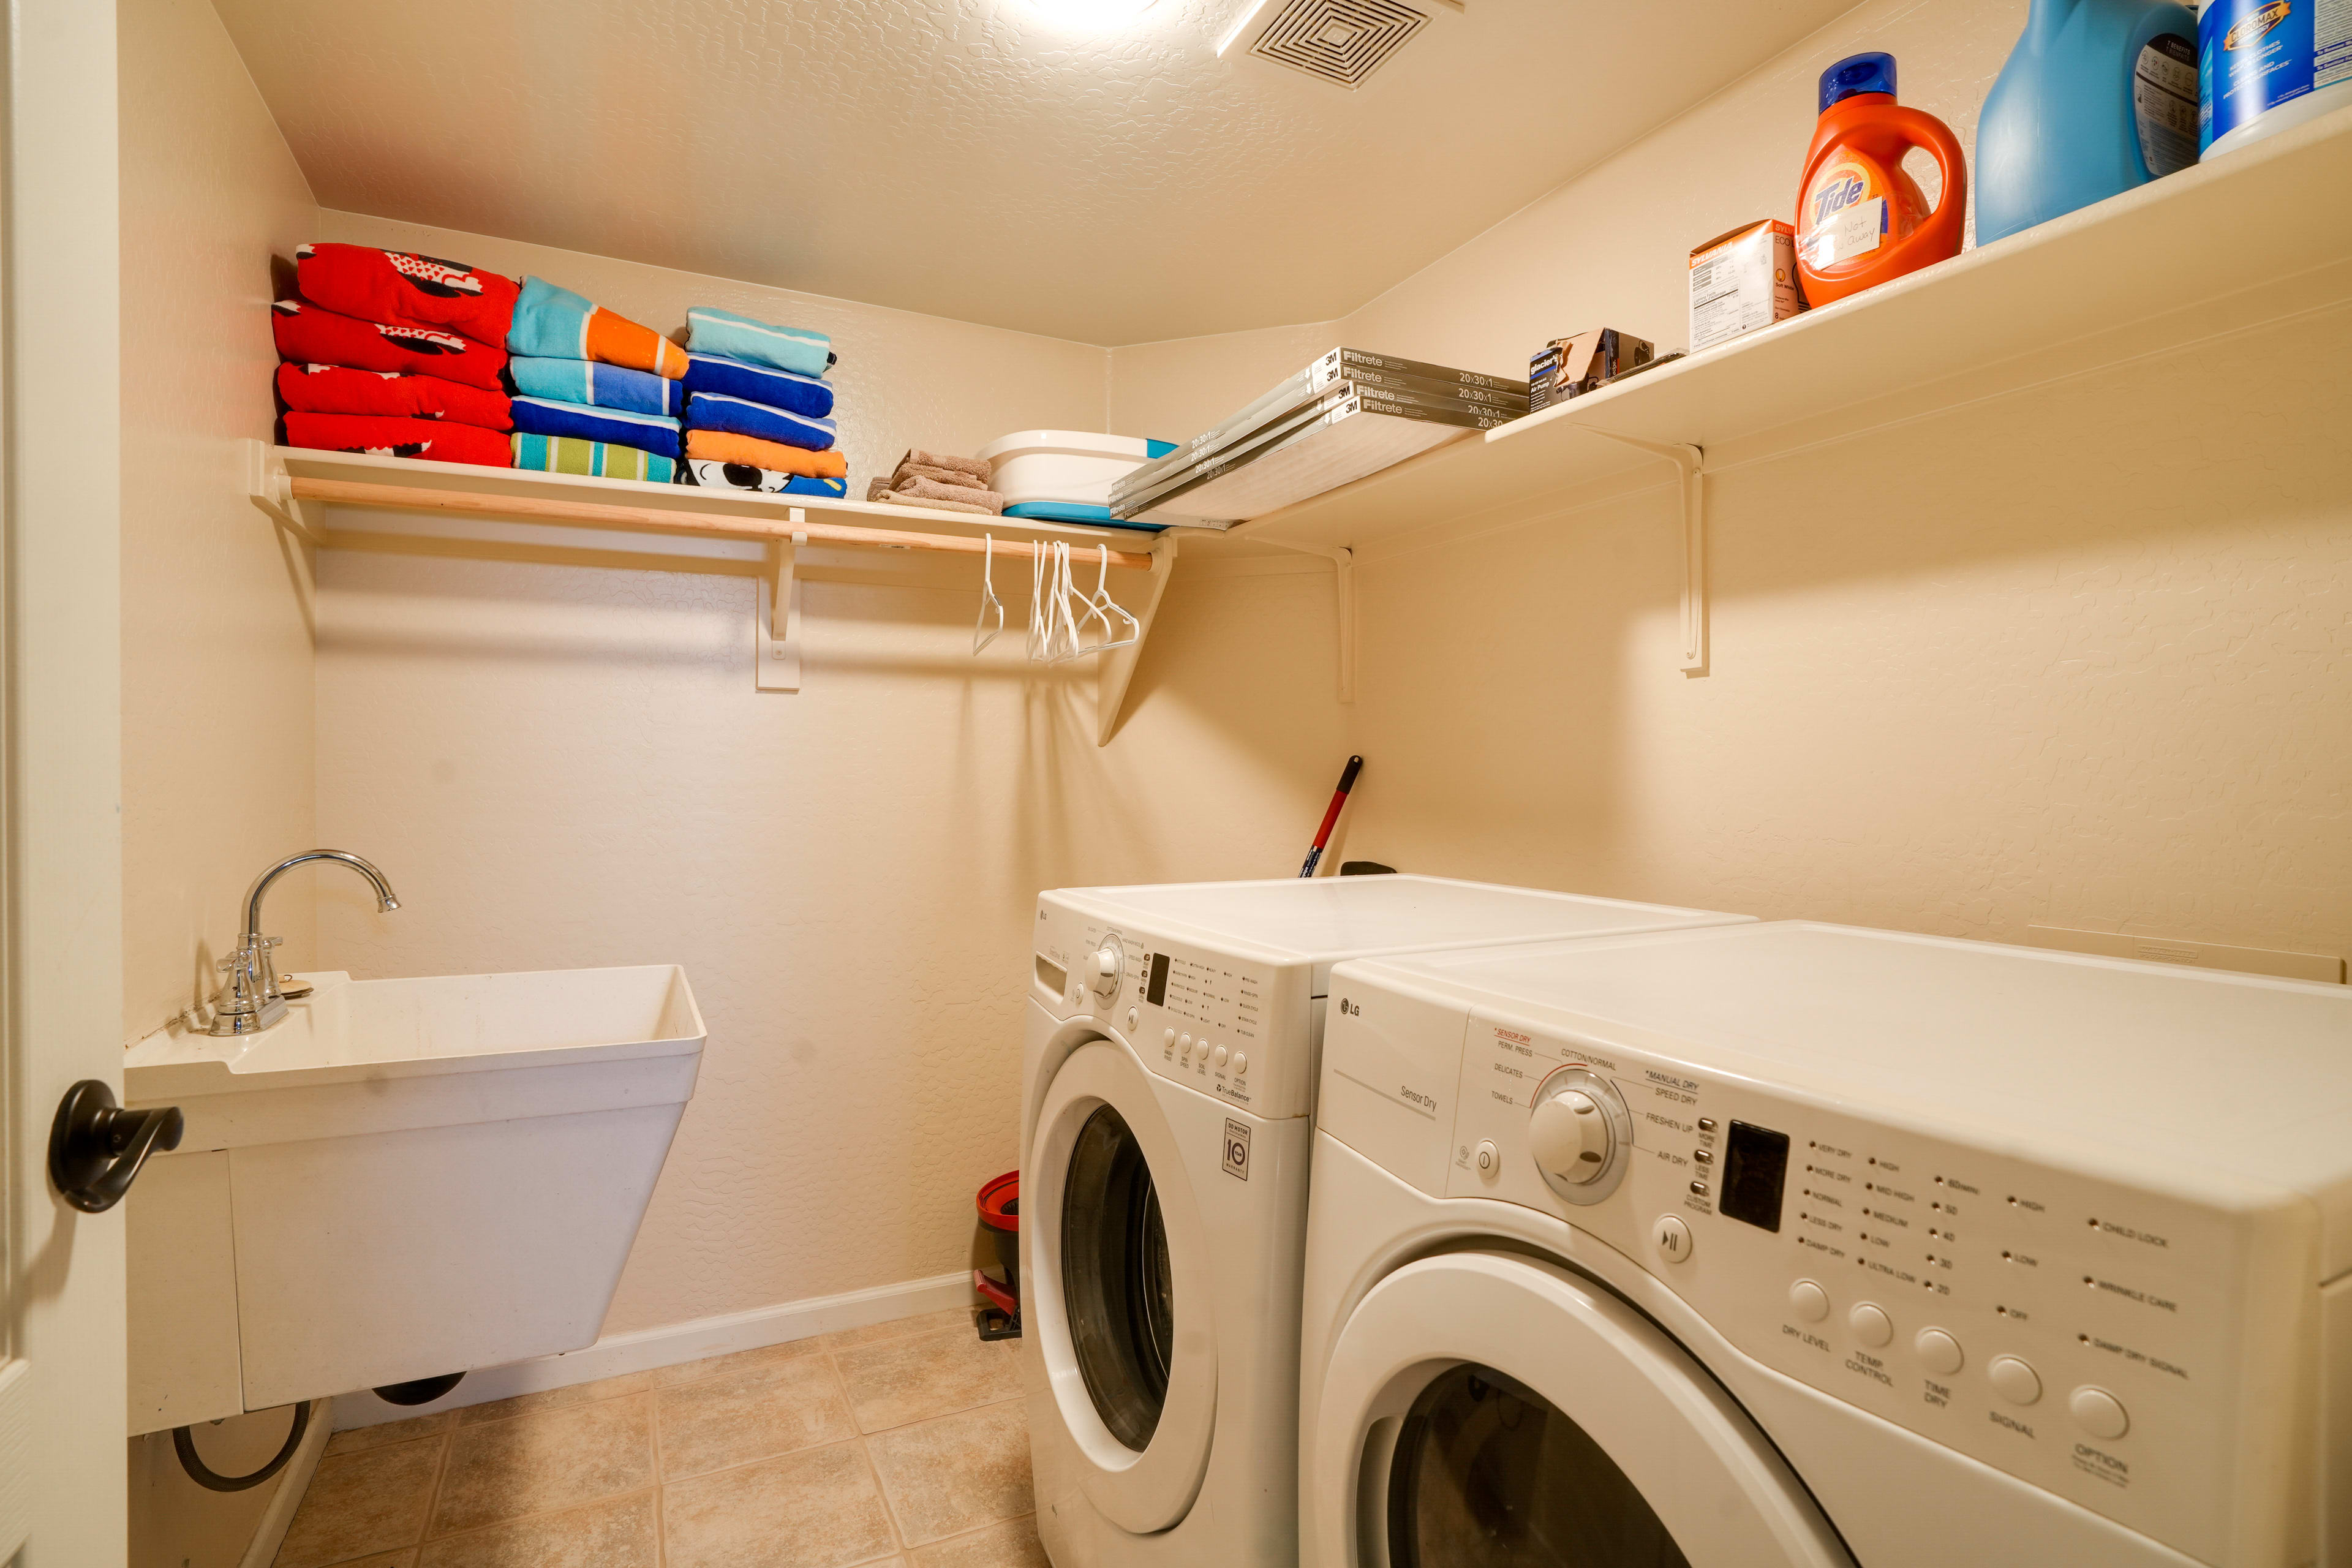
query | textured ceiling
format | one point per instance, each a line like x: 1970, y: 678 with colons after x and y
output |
x: 987, y: 160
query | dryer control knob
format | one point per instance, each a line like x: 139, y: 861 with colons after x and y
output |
x: 1570, y: 1136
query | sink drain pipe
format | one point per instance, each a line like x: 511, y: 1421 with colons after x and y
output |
x: 184, y: 1445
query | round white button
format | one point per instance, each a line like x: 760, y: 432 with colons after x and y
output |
x: 1673, y: 1237
x: 2099, y: 1412
x: 1218, y: 1056
x: 1167, y: 1037
x: 1131, y: 1018
x: 2013, y: 1380
x: 1870, y: 1324
x: 1940, y: 1350
x: 1241, y: 1063
x: 1808, y: 1301
x: 1489, y: 1157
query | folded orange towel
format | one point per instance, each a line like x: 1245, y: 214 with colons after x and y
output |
x: 722, y: 447
x: 555, y: 323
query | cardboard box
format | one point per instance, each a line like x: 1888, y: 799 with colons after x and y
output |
x: 1743, y: 280
x: 1567, y: 367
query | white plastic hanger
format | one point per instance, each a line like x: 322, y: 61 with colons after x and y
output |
x: 1102, y: 607
x: 983, y: 634
x: 1039, y: 627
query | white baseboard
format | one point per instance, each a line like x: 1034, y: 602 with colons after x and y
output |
x: 643, y: 1349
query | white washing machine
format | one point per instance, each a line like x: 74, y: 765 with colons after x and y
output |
x: 1167, y: 1087
x: 1794, y: 1244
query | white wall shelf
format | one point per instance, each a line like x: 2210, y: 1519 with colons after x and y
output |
x: 2253, y: 239
x: 352, y: 500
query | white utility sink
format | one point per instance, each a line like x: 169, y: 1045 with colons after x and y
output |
x: 403, y: 1178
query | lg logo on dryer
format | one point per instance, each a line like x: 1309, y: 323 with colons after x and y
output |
x: 1237, y: 1139
x: 1350, y: 1008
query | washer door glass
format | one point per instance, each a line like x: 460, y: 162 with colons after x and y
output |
x: 1488, y: 1474
x: 1116, y: 1286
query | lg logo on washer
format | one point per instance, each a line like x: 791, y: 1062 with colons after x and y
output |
x: 1350, y: 1008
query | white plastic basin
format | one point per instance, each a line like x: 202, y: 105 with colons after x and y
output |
x: 403, y: 1178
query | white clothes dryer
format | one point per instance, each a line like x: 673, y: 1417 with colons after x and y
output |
x: 1167, y: 1088
x: 1799, y: 1244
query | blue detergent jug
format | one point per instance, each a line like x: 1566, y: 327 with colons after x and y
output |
x: 2099, y: 96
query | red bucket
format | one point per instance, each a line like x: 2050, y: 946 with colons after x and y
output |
x: 1000, y: 1218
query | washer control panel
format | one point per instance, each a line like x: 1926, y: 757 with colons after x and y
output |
x: 2107, y: 1343
x: 1242, y: 1031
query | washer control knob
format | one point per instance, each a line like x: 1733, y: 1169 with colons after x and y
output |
x: 1672, y: 1237
x: 1808, y: 1301
x: 1870, y: 1324
x: 1241, y: 1063
x: 1938, y: 1352
x: 2013, y: 1379
x: 2099, y: 1412
x: 1184, y: 1046
x: 1111, y: 962
x: 1167, y: 1037
x: 1217, y: 1056
x: 1489, y: 1158
x: 1132, y: 1018
x: 1571, y: 1137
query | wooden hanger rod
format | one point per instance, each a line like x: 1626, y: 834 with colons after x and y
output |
x: 598, y: 514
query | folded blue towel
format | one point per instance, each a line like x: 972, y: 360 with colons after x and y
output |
x: 603, y: 385
x: 711, y: 330
x: 646, y: 432
x: 718, y: 476
x: 784, y: 389
x: 716, y: 411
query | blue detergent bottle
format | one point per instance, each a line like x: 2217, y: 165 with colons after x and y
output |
x: 2099, y: 96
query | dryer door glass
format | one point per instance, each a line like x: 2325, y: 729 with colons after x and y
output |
x: 1488, y: 1474
x: 1116, y: 1285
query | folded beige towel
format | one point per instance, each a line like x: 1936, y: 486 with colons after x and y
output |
x: 971, y: 466
x: 944, y: 476
x: 879, y: 489
x: 929, y: 490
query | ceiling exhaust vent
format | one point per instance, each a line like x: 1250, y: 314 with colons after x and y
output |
x: 1341, y: 41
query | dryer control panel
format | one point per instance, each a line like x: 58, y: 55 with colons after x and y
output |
x: 2131, y: 1346
x: 1243, y: 1031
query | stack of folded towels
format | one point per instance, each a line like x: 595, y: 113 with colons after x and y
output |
x: 392, y: 353
x: 935, y: 480
x: 595, y: 393
x: 758, y: 411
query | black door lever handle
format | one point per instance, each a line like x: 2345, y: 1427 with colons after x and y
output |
x: 97, y: 1148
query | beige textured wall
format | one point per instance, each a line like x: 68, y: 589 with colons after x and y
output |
x: 216, y: 683
x: 563, y: 765
x: 217, y: 744
x: 2073, y: 657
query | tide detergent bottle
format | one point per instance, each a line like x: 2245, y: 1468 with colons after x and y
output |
x: 2099, y: 96
x: 1861, y: 220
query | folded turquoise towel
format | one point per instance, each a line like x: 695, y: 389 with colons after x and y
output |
x: 711, y: 330
x: 603, y: 385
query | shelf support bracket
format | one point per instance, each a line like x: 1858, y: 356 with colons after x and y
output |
x: 271, y: 490
x: 1115, y: 668
x: 1691, y: 463
x: 776, y: 636
x: 1343, y: 584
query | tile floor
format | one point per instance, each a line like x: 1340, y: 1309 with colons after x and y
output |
x: 901, y: 1445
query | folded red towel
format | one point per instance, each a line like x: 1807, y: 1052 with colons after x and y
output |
x: 404, y: 289
x: 339, y: 389
x: 314, y: 336
x: 434, y: 440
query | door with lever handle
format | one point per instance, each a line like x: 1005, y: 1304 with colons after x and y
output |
x: 97, y: 1148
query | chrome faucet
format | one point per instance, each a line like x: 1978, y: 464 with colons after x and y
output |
x: 252, y: 998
